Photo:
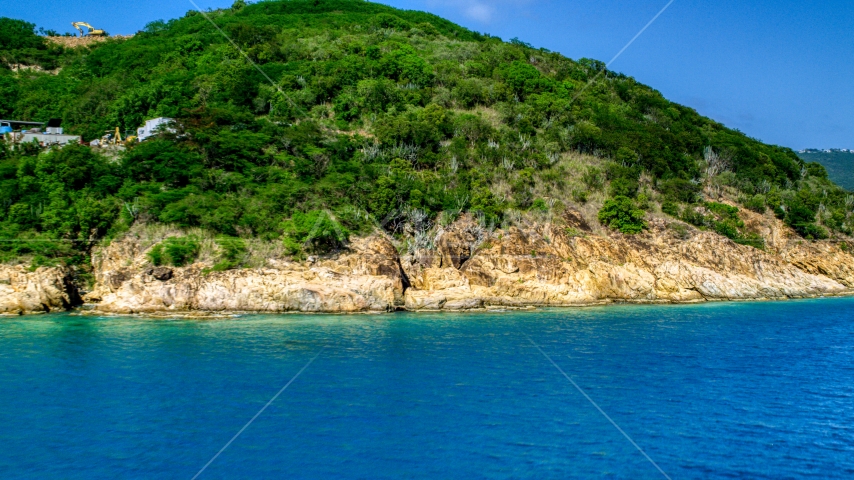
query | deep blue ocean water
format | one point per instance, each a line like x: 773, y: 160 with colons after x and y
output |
x: 730, y: 390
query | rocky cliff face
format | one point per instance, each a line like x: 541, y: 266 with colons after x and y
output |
x: 551, y: 266
x: 41, y: 291
x: 558, y: 263
x: 368, y: 279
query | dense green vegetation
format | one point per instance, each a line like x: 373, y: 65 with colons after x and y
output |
x: 839, y: 165
x: 20, y: 45
x: 724, y: 220
x: 621, y: 213
x: 177, y: 251
x: 374, y: 116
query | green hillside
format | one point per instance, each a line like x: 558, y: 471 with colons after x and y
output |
x: 839, y: 165
x: 359, y: 115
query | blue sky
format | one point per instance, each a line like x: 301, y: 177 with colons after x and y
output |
x: 781, y: 71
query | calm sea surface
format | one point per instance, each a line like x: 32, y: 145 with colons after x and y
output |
x: 736, y: 390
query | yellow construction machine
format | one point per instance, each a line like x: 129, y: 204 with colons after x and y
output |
x: 92, y: 31
x: 111, y: 138
x: 114, y: 138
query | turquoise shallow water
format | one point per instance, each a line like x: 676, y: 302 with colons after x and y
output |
x: 737, y: 390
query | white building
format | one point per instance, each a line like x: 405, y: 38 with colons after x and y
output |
x: 151, y: 128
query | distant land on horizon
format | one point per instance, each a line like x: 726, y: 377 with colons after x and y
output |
x: 839, y: 163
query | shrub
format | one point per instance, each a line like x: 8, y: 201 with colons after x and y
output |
x: 624, y: 187
x: 540, y: 205
x: 355, y: 220
x: 679, y: 190
x: 811, y: 231
x: 175, y: 251
x: 722, y: 209
x: 723, y: 219
x: 593, y: 178
x: 727, y: 229
x: 155, y: 255
x: 469, y: 93
x: 620, y: 213
x: 315, y: 231
x: 816, y: 169
x: 626, y: 156
x: 755, y: 203
x: 670, y: 208
x: 387, y: 20
x: 800, y: 215
x: 428, y: 29
x: 181, y: 250
x: 692, y: 216
x: 232, y: 253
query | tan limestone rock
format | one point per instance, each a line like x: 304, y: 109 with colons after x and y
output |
x: 40, y: 291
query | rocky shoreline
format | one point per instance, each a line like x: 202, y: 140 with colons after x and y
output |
x: 462, y: 267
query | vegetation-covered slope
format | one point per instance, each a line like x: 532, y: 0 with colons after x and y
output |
x: 361, y: 115
x: 839, y: 165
